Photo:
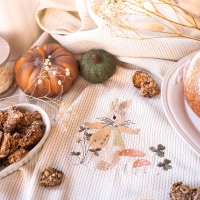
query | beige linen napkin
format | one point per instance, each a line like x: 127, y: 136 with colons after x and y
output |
x: 74, y: 25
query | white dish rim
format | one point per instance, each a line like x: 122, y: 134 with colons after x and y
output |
x: 15, y: 166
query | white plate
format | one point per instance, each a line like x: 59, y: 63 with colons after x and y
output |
x: 179, y: 114
x: 15, y: 166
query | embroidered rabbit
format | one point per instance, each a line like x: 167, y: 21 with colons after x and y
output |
x: 108, y: 139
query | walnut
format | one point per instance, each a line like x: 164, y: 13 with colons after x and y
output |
x: 26, y: 119
x: 17, y: 155
x: 51, y: 177
x: 3, y: 118
x: 138, y: 78
x: 14, y: 142
x: 179, y: 191
x: 148, y: 86
x: 196, y: 196
x: 33, y: 134
x: 5, y: 145
x: 14, y: 117
x: 1, y: 136
x: 35, y: 116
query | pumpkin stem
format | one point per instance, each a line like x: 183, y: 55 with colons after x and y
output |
x: 95, y: 59
x: 42, y: 55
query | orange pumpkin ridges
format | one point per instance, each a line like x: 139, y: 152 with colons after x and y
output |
x: 46, y: 71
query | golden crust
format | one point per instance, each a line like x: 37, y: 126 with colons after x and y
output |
x: 191, y: 84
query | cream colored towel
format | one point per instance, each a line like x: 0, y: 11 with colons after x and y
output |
x: 74, y: 25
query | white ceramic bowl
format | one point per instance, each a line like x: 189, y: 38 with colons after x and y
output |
x: 15, y: 166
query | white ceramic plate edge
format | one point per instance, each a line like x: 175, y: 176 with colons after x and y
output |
x: 167, y: 110
x: 15, y: 166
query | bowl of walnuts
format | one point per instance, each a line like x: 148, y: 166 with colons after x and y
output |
x: 24, y: 129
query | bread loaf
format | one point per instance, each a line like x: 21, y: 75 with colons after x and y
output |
x: 191, y: 83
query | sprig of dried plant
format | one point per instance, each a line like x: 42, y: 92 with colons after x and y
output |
x: 145, y: 19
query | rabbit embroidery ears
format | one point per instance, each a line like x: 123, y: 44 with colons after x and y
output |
x: 117, y: 112
x: 116, y: 106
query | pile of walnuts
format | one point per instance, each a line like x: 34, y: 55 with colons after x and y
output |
x: 19, y: 133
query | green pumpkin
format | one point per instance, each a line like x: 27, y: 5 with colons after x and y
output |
x: 97, y: 66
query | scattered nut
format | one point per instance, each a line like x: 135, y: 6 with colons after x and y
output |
x: 5, y: 145
x: 148, y: 86
x: 14, y: 117
x: 51, y: 177
x: 179, y: 191
x: 17, y: 155
x: 138, y: 78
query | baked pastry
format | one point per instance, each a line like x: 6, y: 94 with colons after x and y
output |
x: 191, y: 84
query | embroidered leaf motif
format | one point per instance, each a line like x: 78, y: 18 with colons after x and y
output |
x: 165, y: 164
x: 160, y: 153
x: 96, y: 153
x: 161, y: 164
x: 153, y: 149
x: 98, y: 149
x: 159, y: 150
x: 161, y: 147
x: 166, y: 161
x: 81, y: 128
x: 88, y: 135
x: 73, y: 153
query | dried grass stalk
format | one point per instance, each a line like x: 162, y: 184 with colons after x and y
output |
x: 166, y: 18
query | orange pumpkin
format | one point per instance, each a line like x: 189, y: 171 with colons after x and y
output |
x: 46, y: 71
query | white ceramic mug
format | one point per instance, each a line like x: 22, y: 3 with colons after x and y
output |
x: 18, y: 25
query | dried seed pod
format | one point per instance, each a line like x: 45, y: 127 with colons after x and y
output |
x: 14, y: 117
x: 5, y: 145
x: 51, y: 177
x: 17, y: 155
x: 149, y: 26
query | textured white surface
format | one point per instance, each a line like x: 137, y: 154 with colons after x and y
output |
x: 84, y: 182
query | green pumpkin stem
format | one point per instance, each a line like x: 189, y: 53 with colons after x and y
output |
x: 95, y: 59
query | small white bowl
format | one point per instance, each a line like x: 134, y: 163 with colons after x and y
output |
x: 15, y: 166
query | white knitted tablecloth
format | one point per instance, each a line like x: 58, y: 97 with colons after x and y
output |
x: 73, y: 24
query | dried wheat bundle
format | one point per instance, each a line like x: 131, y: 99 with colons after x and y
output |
x: 144, y: 19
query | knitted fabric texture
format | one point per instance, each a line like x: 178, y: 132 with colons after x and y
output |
x: 73, y: 24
